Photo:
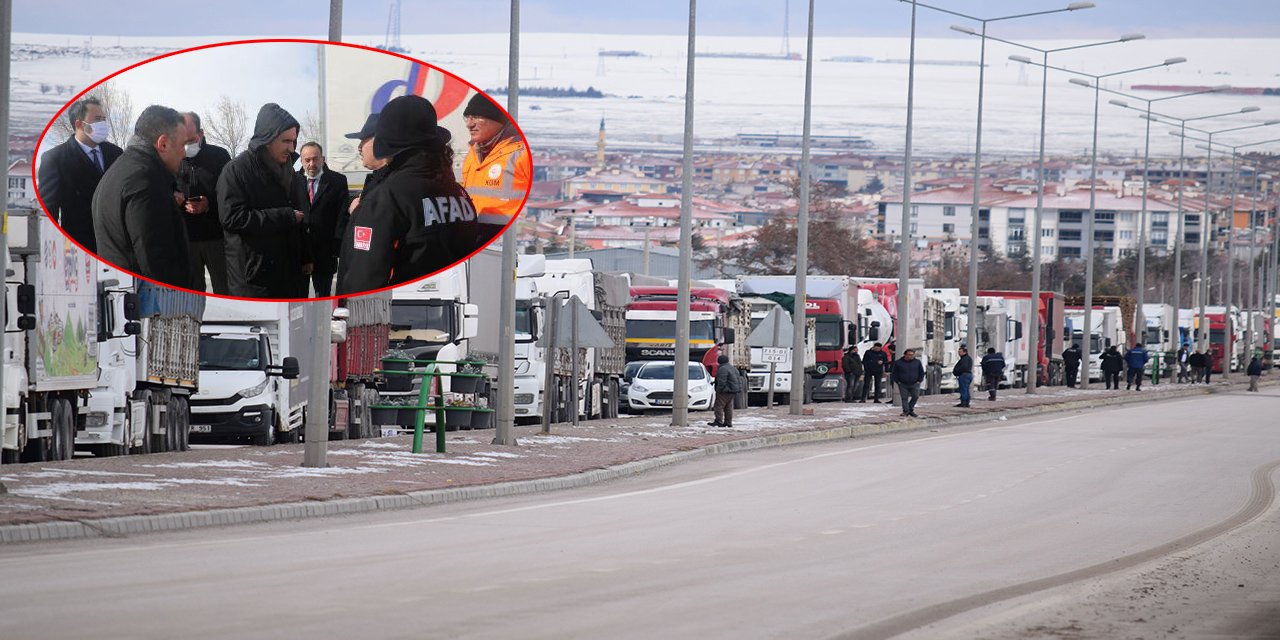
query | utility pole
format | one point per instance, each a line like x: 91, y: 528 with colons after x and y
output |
x: 507, y: 307
x: 6, y: 34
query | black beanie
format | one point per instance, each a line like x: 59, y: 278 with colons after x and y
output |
x: 407, y: 122
x: 481, y: 105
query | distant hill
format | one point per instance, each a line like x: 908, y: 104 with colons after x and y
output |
x: 550, y: 92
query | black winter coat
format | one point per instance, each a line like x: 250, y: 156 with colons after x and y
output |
x: 908, y: 371
x: 1071, y: 358
x: 406, y: 227
x: 66, y: 183
x: 993, y: 364
x: 963, y: 365
x: 138, y: 224
x: 266, y: 246
x: 874, y: 362
x: 1112, y: 362
x: 198, y: 176
x: 851, y: 363
x: 328, y: 210
x: 1255, y: 368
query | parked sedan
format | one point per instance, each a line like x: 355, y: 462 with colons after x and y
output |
x: 654, y: 383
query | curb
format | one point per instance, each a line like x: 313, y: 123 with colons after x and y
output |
x: 132, y: 525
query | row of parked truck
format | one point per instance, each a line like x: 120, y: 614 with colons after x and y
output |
x: 98, y: 361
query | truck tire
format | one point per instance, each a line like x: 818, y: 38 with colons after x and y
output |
x: 62, y: 444
x: 172, y: 437
x: 614, y: 399
x: 267, y: 437
x: 159, y: 442
x: 184, y: 423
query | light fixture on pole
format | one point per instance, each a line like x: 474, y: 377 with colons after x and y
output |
x: 1180, y: 237
x: 1033, y: 317
x: 1089, y: 238
x: 971, y: 337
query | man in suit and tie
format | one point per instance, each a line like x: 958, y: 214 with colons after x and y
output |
x: 198, y: 180
x: 69, y: 173
x: 327, y: 191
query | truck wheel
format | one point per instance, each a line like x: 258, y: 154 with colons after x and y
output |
x: 267, y: 438
x: 63, y: 442
x: 172, y: 439
x: 184, y: 424
x: 614, y: 399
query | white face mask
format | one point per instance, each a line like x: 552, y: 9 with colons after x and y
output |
x: 99, y: 131
x: 192, y: 149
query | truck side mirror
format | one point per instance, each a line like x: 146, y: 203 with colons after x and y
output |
x: 132, y: 328
x: 1017, y: 331
x: 132, y: 308
x: 852, y: 338
x: 26, y: 299
x: 729, y: 336
x: 874, y: 334
x: 289, y: 370
x: 26, y: 323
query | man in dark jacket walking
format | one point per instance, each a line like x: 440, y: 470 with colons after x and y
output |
x: 851, y: 364
x: 262, y: 204
x: 1254, y: 372
x: 1183, y: 364
x: 198, y: 181
x: 70, y: 172
x: 137, y: 220
x: 992, y: 371
x: 1112, y: 365
x: 873, y: 371
x: 963, y: 371
x: 1136, y: 360
x: 418, y: 219
x: 908, y: 373
x: 728, y: 385
x: 1071, y: 362
x: 327, y: 192
x: 1196, y: 362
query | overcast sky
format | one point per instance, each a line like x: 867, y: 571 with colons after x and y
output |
x: 1155, y: 18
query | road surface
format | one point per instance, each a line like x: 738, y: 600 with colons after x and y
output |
x: 1001, y: 529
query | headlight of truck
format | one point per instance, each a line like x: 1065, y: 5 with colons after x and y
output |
x: 523, y: 398
x: 95, y: 419
x: 830, y: 383
x: 257, y: 389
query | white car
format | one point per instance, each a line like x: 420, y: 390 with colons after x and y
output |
x: 652, y: 387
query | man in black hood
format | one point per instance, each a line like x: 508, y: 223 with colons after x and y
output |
x: 137, y: 220
x: 417, y: 219
x: 262, y: 204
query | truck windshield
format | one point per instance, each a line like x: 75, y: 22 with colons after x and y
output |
x: 231, y: 353
x: 829, y: 337
x: 422, y: 321
x: 524, y: 318
x: 1153, y: 335
x: 666, y: 329
x: 1216, y: 335
x: 1095, y: 341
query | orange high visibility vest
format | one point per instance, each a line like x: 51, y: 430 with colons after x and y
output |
x: 498, y: 185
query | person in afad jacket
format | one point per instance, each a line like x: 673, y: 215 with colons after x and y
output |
x: 416, y: 219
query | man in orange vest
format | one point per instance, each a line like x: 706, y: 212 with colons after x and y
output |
x: 497, y: 171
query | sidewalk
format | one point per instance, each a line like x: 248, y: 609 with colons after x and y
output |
x: 135, y: 494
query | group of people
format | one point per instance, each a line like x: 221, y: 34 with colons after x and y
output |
x: 864, y: 375
x: 172, y: 207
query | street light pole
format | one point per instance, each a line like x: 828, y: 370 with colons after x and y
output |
x: 506, y: 414
x: 799, y: 311
x: 680, y: 400
x: 904, y: 263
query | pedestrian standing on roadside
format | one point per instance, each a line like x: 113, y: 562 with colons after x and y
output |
x: 1255, y: 372
x: 873, y: 369
x: 907, y: 374
x: 1208, y: 366
x: 1196, y: 362
x: 963, y: 371
x: 851, y: 364
x: 198, y: 181
x: 728, y: 386
x: 1136, y: 360
x: 1183, y: 374
x: 1112, y: 365
x: 1071, y: 362
x: 992, y: 371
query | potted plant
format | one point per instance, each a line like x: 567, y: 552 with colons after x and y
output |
x: 457, y: 414
x: 468, y: 377
x: 397, y: 360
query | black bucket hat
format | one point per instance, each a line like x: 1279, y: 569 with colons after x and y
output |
x: 408, y: 122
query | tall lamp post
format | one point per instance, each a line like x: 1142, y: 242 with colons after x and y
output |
x: 1180, y: 237
x: 1090, y: 241
x: 971, y: 336
x: 680, y: 400
x: 1033, y: 319
x: 798, y: 308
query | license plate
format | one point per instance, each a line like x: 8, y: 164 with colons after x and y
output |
x: 662, y: 403
x: 201, y: 428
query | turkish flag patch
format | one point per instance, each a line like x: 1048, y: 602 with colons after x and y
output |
x: 364, y: 237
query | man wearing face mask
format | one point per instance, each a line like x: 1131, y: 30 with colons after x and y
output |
x: 262, y: 204
x: 198, y: 181
x: 137, y: 221
x: 70, y: 172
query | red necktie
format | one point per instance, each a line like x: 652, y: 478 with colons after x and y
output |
x: 311, y: 188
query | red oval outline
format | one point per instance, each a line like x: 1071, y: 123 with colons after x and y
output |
x: 94, y: 256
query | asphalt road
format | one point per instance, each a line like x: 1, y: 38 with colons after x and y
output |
x: 920, y: 534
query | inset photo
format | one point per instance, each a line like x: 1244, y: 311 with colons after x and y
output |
x: 282, y: 169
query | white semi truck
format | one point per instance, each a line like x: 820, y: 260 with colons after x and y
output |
x: 255, y: 368
x: 149, y: 366
x: 943, y: 335
x: 51, y: 343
